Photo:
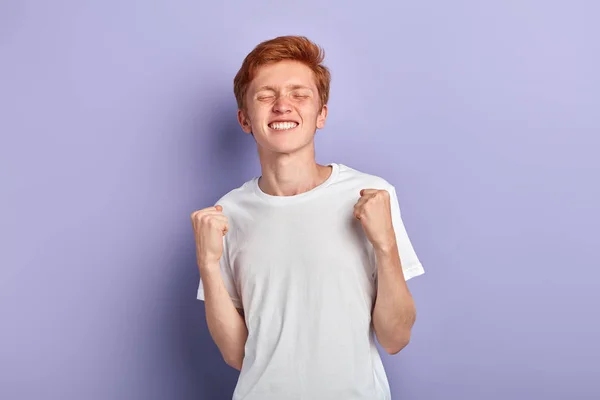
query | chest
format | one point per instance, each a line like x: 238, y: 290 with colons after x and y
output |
x: 308, y: 244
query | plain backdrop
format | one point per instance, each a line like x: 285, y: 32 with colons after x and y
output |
x: 117, y: 120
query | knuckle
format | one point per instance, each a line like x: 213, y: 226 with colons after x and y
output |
x: 214, y: 223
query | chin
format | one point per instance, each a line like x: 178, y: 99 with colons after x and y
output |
x: 287, y: 144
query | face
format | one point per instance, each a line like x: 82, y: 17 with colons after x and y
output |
x: 283, y: 108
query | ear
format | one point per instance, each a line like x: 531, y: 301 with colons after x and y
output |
x: 322, y: 117
x: 244, y: 121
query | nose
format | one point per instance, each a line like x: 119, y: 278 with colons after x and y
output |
x: 282, y: 105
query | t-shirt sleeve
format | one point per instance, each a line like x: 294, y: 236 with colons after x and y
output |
x: 228, y: 278
x: 411, y: 265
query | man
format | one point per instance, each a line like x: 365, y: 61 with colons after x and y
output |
x: 300, y: 266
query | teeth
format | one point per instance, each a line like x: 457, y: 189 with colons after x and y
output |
x: 283, y: 125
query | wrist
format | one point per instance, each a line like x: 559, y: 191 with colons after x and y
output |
x: 208, y: 268
x: 386, y: 249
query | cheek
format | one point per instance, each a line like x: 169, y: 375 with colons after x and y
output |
x: 310, y: 113
x: 256, y: 116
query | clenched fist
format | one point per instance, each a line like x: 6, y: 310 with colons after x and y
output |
x: 210, y: 225
x: 374, y: 212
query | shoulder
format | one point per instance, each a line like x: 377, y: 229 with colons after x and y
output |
x: 356, y: 178
x: 235, y: 198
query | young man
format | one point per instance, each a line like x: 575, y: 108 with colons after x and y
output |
x: 300, y: 266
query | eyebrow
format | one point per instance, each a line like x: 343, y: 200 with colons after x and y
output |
x: 291, y: 87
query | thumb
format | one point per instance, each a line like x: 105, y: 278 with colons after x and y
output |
x: 219, y: 207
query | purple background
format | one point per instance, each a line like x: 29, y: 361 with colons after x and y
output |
x: 118, y: 120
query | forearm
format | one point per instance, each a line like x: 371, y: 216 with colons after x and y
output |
x: 394, y: 313
x: 227, y: 327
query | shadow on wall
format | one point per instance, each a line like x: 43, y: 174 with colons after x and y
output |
x: 220, y: 155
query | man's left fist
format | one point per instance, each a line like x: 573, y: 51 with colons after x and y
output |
x: 374, y: 213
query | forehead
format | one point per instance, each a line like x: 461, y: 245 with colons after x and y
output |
x: 282, y: 74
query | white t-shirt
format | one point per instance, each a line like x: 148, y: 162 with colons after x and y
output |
x: 305, y: 275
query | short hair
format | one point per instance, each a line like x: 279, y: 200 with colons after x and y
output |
x: 295, y: 48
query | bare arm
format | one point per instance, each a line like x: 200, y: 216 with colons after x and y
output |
x: 225, y: 323
x: 394, y: 313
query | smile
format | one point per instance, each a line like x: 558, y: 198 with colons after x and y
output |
x: 282, y: 126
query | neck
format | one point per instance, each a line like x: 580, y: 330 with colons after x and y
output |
x: 291, y: 174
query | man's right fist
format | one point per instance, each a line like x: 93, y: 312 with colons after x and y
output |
x: 210, y: 225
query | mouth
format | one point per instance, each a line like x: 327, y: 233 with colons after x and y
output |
x: 283, y: 125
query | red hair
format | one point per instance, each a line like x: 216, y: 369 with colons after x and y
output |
x: 296, y: 48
